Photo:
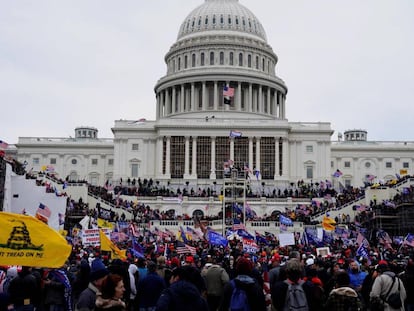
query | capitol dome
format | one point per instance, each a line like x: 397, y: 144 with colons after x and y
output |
x: 221, y: 45
x: 221, y: 15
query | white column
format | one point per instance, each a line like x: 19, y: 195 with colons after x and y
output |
x: 192, y: 96
x: 174, y: 100
x: 187, y: 157
x: 277, y: 158
x: 168, y: 102
x: 216, y: 95
x: 285, y: 164
x: 182, y: 98
x: 213, y: 158
x: 250, y: 99
x: 260, y: 99
x: 239, y: 93
x: 159, y: 156
x: 258, y: 153
x: 168, y: 157
x: 194, y: 164
x: 157, y: 109
x: 268, y: 100
x: 251, y: 153
x: 204, y: 97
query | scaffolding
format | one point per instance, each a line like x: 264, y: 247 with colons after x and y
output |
x: 234, y: 195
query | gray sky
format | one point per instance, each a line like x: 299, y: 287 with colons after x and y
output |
x: 66, y: 63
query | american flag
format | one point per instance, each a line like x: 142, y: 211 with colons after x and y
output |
x: 239, y: 226
x: 183, y: 249
x: 228, y: 91
x: 44, y: 210
x: 3, y: 144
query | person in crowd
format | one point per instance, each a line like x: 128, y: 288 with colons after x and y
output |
x: 408, y: 279
x: 385, y: 284
x: 81, y: 280
x: 117, y: 266
x: 215, y: 278
x: 182, y: 294
x: 142, y: 267
x: 112, y: 292
x: 133, y: 280
x: 356, y: 276
x: 343, y: 297
x: 25, y: 291
x: 7, y: 277
x: 87, y: 298
x: 150, y: 288
x: 275, y: 270
x: 57, y: 291
x: 244, y: 280
x: 294, y: 274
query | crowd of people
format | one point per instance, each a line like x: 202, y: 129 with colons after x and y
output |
x: 211, y: 277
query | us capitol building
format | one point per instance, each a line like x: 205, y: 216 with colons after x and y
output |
x: 195, y: 135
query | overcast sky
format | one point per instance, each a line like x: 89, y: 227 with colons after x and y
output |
x: 73, y: 63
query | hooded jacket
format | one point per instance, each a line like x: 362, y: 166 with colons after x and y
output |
x: 181, y: 296
x: 343, y: 298
x: 254, y: 292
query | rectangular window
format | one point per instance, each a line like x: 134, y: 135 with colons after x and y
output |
x: 309, y: 172
x: 94, y: 161
x: 110, y: 161
x: 347, y: 164
x: 36, y: 161
x: 135, y: 147
x: 134, y: 170
x: 348, y: 183
x: 332, y: 164
x: 309, y: 148
x: 406, y: 165
x: 388, y: 164
x: 52, y: 160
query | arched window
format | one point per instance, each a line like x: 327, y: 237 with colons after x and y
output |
x: 249, y: 61
x: 211, y: 58
x: 179, y: 63
x: 221, y: 19
x: 193, y: 60
x: 263, y: 64
x: 185, y: 62
x: 221, y: 58
x: 257, y: 62
x: 231, y: 60
x: 202, y: 59
x: 240, y: 59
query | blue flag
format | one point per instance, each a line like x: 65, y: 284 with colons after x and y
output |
x: 285, y: 220
x: 217, y: 239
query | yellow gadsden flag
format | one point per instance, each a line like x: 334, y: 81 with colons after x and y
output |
x: 27, y: 241
x: 109, y: 246
x: 328, y: 223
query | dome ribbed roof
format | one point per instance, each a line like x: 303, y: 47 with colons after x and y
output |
x: 221, y: 15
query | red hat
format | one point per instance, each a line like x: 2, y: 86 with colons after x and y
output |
x: 276, y: 257
x: 383, y: 262
x: 189, y: 259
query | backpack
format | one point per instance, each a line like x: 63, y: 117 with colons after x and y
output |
x: 296, y: 297
x: 394, y: 300
x: 238, y: 300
